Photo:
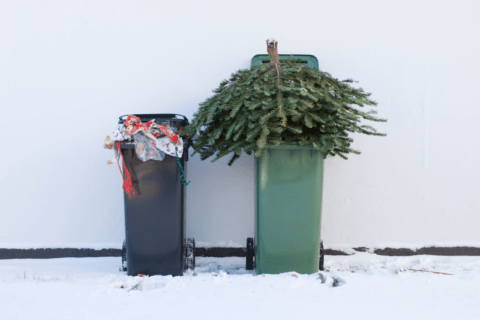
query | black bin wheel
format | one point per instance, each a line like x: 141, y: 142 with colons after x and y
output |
x: 249, y: 253
x: 124, y: 256
x: 190, y: 254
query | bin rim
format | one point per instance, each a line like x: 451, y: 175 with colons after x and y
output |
x: 150, y: 116
x: 292, y: 146
x: 321, y: 149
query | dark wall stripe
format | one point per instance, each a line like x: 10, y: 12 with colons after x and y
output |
x: 57, y: 253
x: 436, y: 251
x: 331, y: 252
x: 220, y: 252
x: 225, y: 252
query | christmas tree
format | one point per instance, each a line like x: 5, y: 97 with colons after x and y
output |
x: 281, y: 103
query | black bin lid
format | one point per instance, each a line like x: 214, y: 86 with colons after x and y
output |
x: 159, y: 118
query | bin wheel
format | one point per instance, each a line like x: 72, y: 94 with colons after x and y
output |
x: 249, y: 253
x: 322, y: 256
x: 124, y: 256
x: 190, y: 254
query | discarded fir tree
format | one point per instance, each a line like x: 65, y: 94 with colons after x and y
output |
x: 281, y: 103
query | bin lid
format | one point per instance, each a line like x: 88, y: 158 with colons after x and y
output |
x: 177, y: 119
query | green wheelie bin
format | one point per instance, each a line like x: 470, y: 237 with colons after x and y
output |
x: 289, y: 181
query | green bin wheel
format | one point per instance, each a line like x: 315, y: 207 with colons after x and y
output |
x: 322, y: 255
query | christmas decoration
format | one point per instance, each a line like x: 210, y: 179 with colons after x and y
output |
x: 281, y: 103
x: 152, y: 141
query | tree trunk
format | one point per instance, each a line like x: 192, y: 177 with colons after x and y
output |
x: 273, y: 54
x: 275, y: 61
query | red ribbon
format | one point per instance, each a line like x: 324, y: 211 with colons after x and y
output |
x: 127, y: 182
x: 133, y: 125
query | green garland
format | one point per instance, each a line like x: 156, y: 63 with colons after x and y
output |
x: 304, y: 107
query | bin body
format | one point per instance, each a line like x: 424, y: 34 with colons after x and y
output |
x: 155, y: 217
x: 289, y: 181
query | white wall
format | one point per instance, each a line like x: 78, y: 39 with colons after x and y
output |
x: 68, y: 69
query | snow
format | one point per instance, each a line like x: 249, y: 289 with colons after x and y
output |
x: 360, y: 286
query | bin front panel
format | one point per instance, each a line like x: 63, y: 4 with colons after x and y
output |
x: 154, y: 219
x: 289, y: 204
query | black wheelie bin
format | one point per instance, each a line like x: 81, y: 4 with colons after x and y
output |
x: 155, y: 241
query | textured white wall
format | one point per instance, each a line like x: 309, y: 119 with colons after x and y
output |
x: 68, y: 69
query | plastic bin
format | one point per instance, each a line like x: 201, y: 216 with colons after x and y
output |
x: 289, y: 182
x: 155, y: 218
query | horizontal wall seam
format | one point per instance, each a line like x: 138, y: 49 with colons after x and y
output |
x: 50, y: 253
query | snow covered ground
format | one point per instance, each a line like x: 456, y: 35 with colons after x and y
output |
x: 361, y: 286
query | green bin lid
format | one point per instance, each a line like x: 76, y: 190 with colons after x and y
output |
x: 308, y: 59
